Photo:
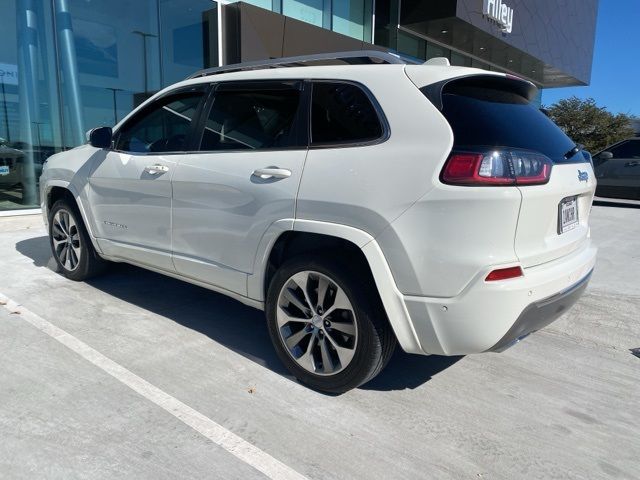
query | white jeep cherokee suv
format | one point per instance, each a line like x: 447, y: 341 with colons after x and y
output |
x: 359, y: 205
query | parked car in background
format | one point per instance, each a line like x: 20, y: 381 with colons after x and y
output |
x: 10, y: 165
x: 360, y: 206
x: 617, y: 170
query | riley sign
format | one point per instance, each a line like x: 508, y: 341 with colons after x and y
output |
x: 500, y: 12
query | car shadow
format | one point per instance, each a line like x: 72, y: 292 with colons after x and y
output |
x: 224, y: 320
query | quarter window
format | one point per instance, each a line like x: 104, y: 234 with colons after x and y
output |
x: 342, y: 113
x: 628, y: 149
x: 251, y: 119
x: 162, y: 127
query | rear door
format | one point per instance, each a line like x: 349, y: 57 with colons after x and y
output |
x: 245, y: 177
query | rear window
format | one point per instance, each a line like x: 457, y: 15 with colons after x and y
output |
x: 481, y: 116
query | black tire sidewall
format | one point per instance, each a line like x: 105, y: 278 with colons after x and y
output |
x: 88, y: 257
x: 369, y: 318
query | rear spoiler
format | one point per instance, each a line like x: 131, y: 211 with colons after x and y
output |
x: 508, y: 83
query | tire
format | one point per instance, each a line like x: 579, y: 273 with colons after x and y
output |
x: 76, y: 258
x: 329, y: 349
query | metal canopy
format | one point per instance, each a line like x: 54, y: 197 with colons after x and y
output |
x: 361, y: 57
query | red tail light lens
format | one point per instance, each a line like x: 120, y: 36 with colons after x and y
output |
x: 497, y: 167
x: 504, y: 274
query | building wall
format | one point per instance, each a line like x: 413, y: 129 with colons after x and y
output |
x: 549, y: 42
x: 560, y: 34
x: 70, y: 65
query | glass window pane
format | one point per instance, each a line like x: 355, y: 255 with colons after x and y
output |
x: 29, y: 107
x: 162, y: 127
x: 437, y: 51
x: 109, y: 65
x: 266, y: 4
x: 411, y: 45
x: 348, y: 18
x: 188, y: 38
x: 309, y: 11
x: 630, y: 149
x: 342, y: 113
x: 251, y: 120
x: 460, y: 60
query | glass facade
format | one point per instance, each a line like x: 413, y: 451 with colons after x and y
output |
x: 348, y: 17
x: 69, y: 65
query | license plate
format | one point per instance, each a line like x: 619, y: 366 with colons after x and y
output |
x: 567, y: 215
x: 4, y: 170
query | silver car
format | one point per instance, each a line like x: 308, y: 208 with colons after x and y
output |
x: 10, y: 166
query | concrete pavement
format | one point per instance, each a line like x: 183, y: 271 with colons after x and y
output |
x: 562, y: 404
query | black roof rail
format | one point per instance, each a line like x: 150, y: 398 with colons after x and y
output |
x: 359, y: 57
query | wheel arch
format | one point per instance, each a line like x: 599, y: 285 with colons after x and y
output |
x: 307, y: 236
x: 293, y: 243
x: 58, y: 190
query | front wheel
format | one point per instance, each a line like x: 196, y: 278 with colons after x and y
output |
x: 70, y: 243
x: 327, y: 324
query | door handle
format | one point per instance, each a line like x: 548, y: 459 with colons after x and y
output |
x: 271, y: 172
x: 632, y: 164
x: 155, y: 169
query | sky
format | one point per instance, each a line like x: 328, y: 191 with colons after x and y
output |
x: 615, y: 78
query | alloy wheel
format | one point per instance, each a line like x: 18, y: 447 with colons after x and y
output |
x: 317, y: 323
x: 66, y: 239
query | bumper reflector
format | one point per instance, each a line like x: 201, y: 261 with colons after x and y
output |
x: 504, y: 274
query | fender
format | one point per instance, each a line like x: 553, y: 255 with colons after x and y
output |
x: 76, y: 195
x: 391, y: 297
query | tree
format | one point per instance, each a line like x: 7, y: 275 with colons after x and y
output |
x: 588, y: 124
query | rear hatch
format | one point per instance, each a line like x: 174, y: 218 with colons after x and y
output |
x: 494, y: 115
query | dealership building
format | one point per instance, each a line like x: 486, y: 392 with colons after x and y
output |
x: 69, y: 65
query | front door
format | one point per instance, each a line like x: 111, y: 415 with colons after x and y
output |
x: 246, y: 177
x: 130, y: 190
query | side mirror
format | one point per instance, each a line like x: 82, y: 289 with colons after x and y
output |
x: 100, y: 137
x: 605, y: 156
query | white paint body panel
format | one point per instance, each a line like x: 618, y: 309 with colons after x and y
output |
x: 537, y: 239
x: 132, y: 208
x: 428, y: 245
x: 221, y: 211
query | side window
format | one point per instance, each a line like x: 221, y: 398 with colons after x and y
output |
x: 161, y: 127
x: 342, y: 113
x: 628, y: 149
x: 251, y: 119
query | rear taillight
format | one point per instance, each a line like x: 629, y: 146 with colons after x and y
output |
x: 497, y: 167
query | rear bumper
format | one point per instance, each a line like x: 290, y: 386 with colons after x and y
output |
x: 491, y: 316
x: 540, y: 314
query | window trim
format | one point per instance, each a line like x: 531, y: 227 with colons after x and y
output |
x: 248, y: 85
x: 384, y: 123
x: 204, y: 88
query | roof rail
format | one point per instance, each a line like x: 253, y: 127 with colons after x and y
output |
x: 359, y: 57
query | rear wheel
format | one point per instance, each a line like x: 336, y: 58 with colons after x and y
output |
x: 70, y: 243
x: 327, y: 324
